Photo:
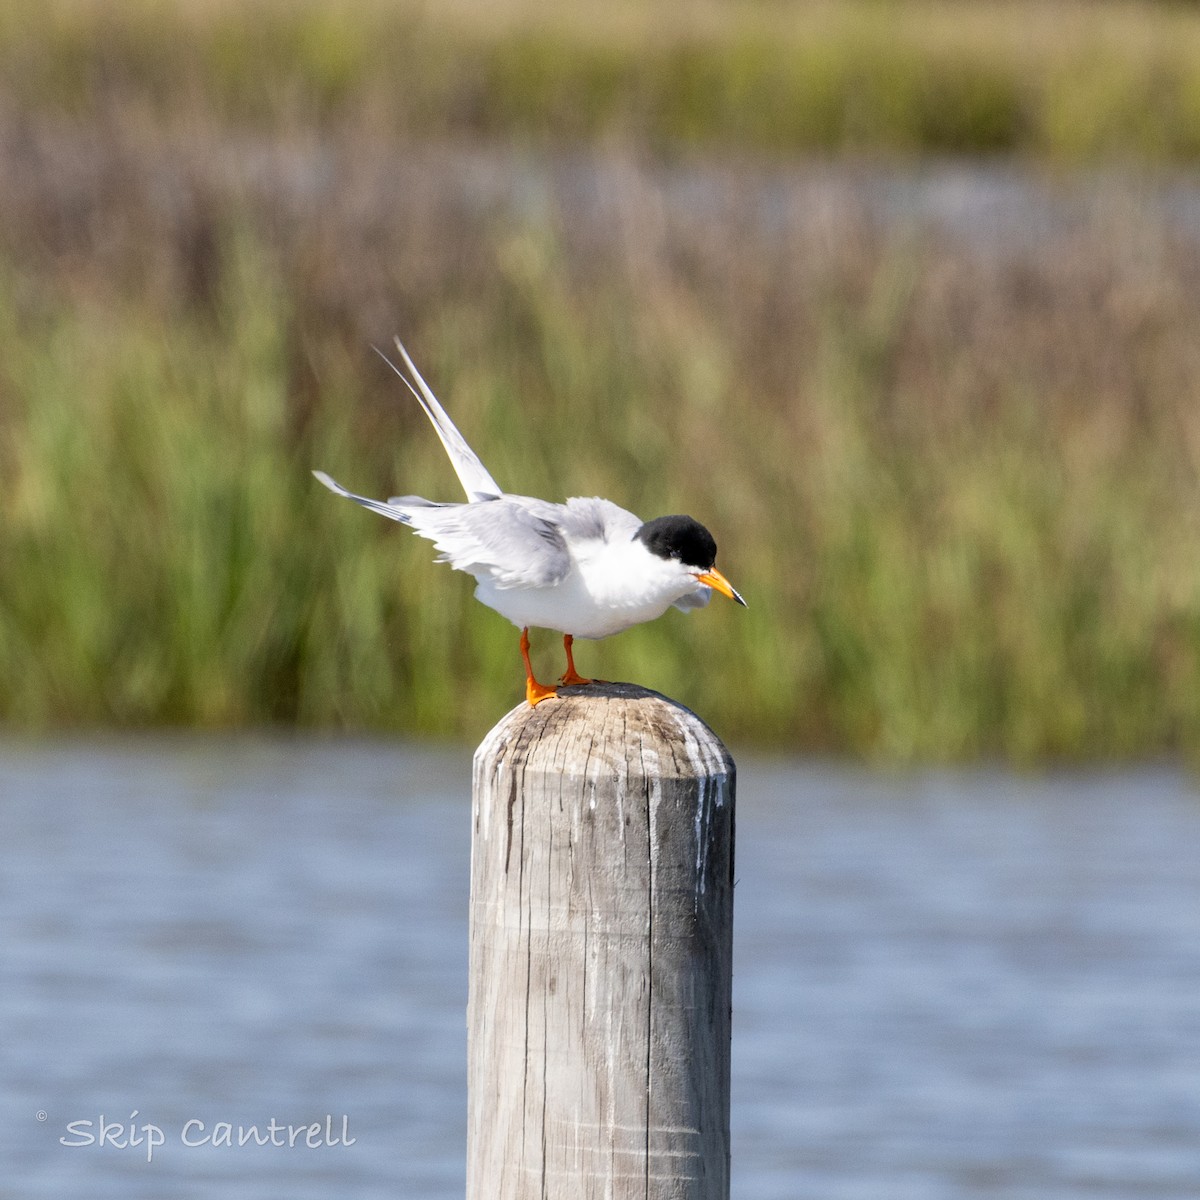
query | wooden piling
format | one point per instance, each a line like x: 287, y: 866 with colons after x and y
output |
x: 601, y: 942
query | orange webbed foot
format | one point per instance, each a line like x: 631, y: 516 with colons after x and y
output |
x: 535, y: 692
x: 571, y: 677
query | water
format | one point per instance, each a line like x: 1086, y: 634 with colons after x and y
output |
x: 1002, y: 208
x: 946, y: 985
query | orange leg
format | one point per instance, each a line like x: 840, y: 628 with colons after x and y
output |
x: 535, y: 692
x: 572, y: 678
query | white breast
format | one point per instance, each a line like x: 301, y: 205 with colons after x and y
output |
x: 609, y: 588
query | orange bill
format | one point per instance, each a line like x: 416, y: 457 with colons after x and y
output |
x: 714, y: 579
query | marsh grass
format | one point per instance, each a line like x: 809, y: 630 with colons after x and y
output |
x: 1067, y: 81
x: 959, y: 488
x: 960, y: 491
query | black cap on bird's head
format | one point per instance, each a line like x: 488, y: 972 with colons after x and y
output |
x: 689, y: 543
x: 679, y: 538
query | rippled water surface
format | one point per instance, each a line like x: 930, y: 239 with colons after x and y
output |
x: 946, y: 985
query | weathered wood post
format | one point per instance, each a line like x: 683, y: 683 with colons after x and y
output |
x: 601, y: 942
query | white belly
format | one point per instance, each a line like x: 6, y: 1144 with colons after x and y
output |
x: 569, y: 607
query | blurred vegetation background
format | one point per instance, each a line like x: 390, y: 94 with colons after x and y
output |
x: 677, y: 254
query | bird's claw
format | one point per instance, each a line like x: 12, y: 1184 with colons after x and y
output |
x: 536, y: 692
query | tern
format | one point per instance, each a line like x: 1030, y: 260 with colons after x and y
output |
x: 586, y: 568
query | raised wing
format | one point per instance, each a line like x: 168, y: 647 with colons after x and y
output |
x: 384, y: 508
x: 474, y: 476
x: 513, y: 541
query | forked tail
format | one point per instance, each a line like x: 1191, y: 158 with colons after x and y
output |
x: 477, y: 483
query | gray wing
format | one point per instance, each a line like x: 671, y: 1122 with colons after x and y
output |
x: 513, y: 540
x: 520, y: 541
x: 592, y: 518
x: 517, y: 541
x: 385, y: 508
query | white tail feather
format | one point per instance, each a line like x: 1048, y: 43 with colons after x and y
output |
x: 474, y: 476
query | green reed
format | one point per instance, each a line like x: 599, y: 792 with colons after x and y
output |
x: 1063, y: 81
x: 932, y: 572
